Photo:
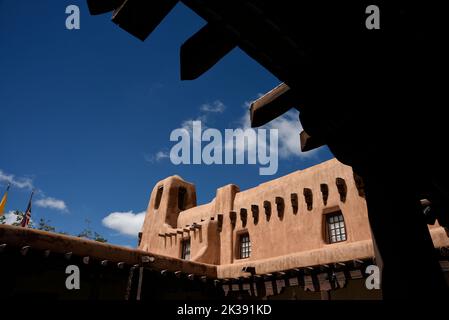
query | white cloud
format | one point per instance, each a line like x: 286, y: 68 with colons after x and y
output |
x: 161, y: 155
x: 52, y: 203
x: 21, y: 183
x: 288, y: 127
x: 216, y: 107
x: 126, y: 223
x: 27, y: 183
x: 206, y: 110
x: 10, y: 218
x: 188, y: 124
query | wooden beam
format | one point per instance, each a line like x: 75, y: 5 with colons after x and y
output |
x: 102, y: 6
x: 140, y: 18
x: 308, y: 143
x: 203, y: 50
x: 272, y: 105
x: 280, y: 274
x: 139, y: 284
x: 24, y: 250
x: 147, y: 259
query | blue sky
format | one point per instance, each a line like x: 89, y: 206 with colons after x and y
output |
x: 85, y: 114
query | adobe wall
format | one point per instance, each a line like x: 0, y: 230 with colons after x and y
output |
x: 285, y: 219
x: 279, y: 232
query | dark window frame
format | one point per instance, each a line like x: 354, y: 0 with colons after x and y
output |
x: 244, y: 246
x: 335, y: 227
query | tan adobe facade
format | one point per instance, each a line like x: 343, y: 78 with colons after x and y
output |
x: 286, y: 219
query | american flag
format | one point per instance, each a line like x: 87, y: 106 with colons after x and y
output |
x: 27, y: 216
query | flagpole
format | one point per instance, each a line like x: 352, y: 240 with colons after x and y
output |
x: 27, y: 215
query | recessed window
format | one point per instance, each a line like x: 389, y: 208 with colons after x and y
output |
x: 336, y: 230
x: 182, y: 194
x: 245, y: 246
x: 157, y: 202
x: 185, y: 250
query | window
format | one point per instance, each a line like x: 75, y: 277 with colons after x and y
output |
x: 245, y: 246
x: 336, y: 230
x: 185, y: 253
x: 182, y: 194
x: 157, y: 202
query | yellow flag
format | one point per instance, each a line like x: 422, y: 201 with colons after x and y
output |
x: 3, y: 202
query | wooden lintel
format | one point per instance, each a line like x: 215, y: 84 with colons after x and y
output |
x: 24, y: 250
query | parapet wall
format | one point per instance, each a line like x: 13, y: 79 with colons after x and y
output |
x: 283, y: 216
x: 286, y: 220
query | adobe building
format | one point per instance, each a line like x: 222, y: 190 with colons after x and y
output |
x: 310, y: 227
x: 302, y: 236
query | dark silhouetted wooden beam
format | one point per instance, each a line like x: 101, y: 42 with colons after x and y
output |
x: 272, y: 105
x: 309, y: 143
x: 203, y: 50
x: 103, y: 6
x: 140, y: 18
x: 25, y: 250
